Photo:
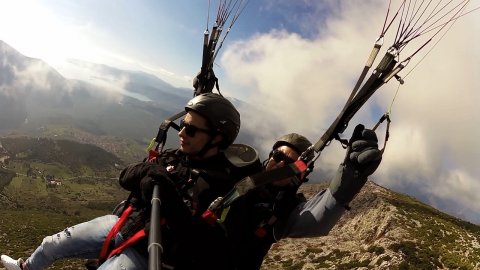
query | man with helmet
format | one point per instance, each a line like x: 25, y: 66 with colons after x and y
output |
x: 200, y: 172
x: 221, y: 119
x: 287, y: 149
x: 189, y: 178
x: 266, y: 214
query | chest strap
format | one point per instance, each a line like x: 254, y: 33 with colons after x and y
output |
x: 130, y: 241
x: 105, y: 252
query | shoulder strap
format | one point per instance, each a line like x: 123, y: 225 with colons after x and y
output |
x: 130, y: 241
x: 111, y: 235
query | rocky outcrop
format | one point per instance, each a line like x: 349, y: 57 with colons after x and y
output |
x: 383, y: 230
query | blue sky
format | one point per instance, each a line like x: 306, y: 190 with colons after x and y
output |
x: 296, y: 61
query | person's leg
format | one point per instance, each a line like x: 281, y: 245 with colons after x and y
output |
x: 129, y: 259
x: 83, y: 240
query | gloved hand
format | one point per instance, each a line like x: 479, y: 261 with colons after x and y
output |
x: 155, y: 175
x: 362, y: 159
x: 130, y: 177
x: 205, y: 84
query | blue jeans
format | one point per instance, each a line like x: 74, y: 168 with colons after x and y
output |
x: 85, y: 241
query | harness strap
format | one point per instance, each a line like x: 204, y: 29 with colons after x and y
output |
x: 161, y: 137
x: 111, y: 235
x: 261, y: 231
x: 130, y: 241
x: 249, y: 183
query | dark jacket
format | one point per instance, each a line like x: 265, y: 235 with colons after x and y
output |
x: 186, y: 192
x: 252, y: 222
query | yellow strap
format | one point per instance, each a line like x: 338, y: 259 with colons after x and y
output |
x: 223, y: 216
x: 150, y: 145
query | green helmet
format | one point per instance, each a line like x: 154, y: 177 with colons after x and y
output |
x: 220, y: 113
x: 296, y: 141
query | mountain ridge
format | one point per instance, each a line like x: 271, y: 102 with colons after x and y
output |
x: 40, y: 105
x: 35, y: 100
x: 384, y: 230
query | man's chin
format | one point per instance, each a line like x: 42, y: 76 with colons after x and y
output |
x: 185, y: 150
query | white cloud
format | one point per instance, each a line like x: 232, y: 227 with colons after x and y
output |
x: 37, y: 30
x: 459, y: 182
x: 302, y: 83
x: 35, y: 75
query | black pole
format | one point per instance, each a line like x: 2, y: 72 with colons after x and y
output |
x: 155, y: 237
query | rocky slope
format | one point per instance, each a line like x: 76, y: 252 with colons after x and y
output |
x: 384, y: 230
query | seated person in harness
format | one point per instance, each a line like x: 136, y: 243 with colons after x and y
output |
x: 269, y: 213
x: 189, y: 178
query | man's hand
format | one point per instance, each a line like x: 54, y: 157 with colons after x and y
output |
x: 130, y: 177
x: 156, y: 175
x: 205, y: 81
x: 362, y: 159
x: 141, y: 178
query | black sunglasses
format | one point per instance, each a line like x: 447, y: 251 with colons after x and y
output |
x: 191, y: 130
x: 278, y: 156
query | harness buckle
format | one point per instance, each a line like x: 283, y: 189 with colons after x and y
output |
x: 210, y: 217
x: 260, y: 232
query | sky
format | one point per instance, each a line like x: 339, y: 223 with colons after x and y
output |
x: 296, y: 63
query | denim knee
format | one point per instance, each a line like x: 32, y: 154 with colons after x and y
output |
x: 52, y: 245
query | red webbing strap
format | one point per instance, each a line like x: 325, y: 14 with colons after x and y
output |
x: 130, y: 241
x: 152, y: 155
x: 300, y: 166
x: 110, y: 236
